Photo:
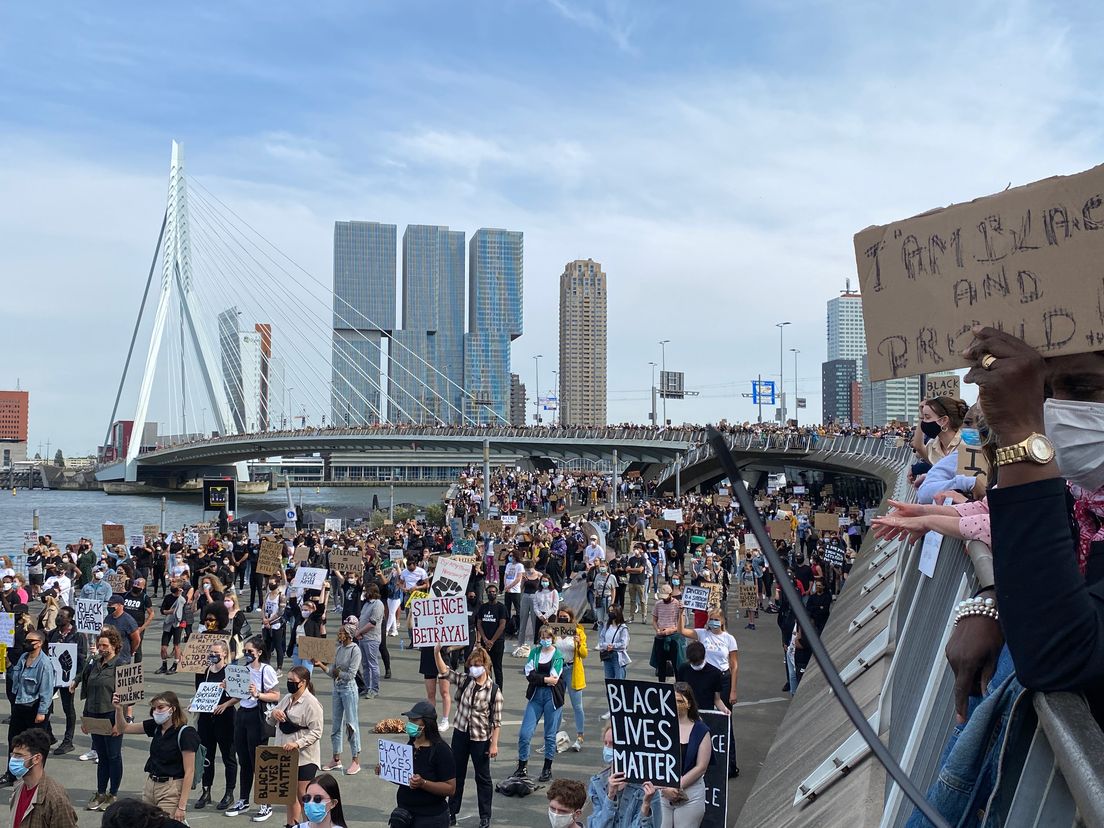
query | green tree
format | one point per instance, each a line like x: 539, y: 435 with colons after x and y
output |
x: 59, y: 459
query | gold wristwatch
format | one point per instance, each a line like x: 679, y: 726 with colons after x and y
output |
x: 1035, y: 449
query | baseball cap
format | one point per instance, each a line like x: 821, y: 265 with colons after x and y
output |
x: 114, y: 599
x: 422, y: 710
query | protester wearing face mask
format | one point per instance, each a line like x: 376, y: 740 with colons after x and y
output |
x: 172, y: 627
x: 490, y: 630
x: 313, y: 625
x: 272, y: 619
x: 346, y: 714
x: 530, y: 584
x: 434, y: 777
x: 666, y: 613
x: 545, y: 602
x: 475, y: 729
x: 720, y: 648
x: 97, y: 589
x: 940, y: 421
x: 216, y: 729
x: 38, y: 801
x: 97, y: 682
x: 512, y: 575
x: 298, y: 720
x: 369, y: 637
x: 173, y: 746
x: 322, y: 804
x: 573, y: 648
x: 546, y: 690
x: 138, y: 606
x: 32, y: 681
x: 605, y: 590
x: 684, y: 806
x: 566, y: 799
x: 250, y: 725
x: 613, y: 647
x: 616, y: 802
x: 118, y: 618
x: 66, y: 633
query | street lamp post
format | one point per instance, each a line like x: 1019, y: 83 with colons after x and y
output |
x: 662, y: 371
x: 795, y: 351
x: 536, y: 391
x: 781, y: 377
x: 653, y: 412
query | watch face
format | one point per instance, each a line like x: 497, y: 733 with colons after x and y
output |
x: 1041, y: 449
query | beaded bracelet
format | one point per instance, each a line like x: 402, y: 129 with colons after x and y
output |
x: 976, y: 606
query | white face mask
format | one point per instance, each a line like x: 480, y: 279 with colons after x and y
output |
x: 560, y: 820
x: 476, y: 670
x: 1077, y: 430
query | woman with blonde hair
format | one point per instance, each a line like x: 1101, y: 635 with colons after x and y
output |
x: 47, y: 619
x: 573, y: 648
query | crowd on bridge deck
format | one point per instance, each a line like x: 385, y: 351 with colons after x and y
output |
x: 570, y: 559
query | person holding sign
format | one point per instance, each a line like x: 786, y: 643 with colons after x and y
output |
x: 217, y: 728
x: 249, y: 724
x: 346, y: 713
x: 684, y: 806
x: 543, y: 669
x: 721, y: 649
x: 572, y: 644
x: 174, y: 743
x: 32, y: 683
x: 475, y: 729
x: 424, y: 803
x: 66, y: 633
x: 97, y: 687
x: 616, y: 802
x: 299, y: 721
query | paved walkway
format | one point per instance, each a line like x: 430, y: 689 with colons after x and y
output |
x: 368, y: 800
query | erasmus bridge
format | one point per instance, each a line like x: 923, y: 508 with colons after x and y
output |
x: 211, y: 266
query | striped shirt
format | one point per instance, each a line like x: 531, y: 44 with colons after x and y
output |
x: 666, y: 614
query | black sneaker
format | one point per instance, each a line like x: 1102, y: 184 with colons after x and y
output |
x: 172, y: 670
x: 65, y: 747
x: 160, y: 671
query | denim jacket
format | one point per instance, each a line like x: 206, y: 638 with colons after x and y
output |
x: 622, y: 812
x: 100, y: 590
x: 34, y: 683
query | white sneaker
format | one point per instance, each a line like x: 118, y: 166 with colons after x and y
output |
x: 443, y: 725
x: 239, y: 807
x: 577, y: 745
x: 263, y: 813
x: 605, y: 715
x: 89, y: 757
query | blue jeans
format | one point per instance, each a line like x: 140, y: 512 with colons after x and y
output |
x: 345, y: 712
x: 576, y: 697
x: 540, y: 705
x: 109, y: 750
x: 614, y: 668
x: 298, y: 662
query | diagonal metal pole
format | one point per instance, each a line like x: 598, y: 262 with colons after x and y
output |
x: 808, y: 630
x: 137, y: 324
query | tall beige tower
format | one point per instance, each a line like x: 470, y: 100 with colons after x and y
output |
x: 583, y: 344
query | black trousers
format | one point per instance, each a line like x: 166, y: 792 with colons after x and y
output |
x: 70, y: 712
x: 496, y: 652
x: 464, y: 748
x: 275, y: 644
x: 219, y: 731
x: 23, y: 718
x: 247, y: 736
x: 385, y: 655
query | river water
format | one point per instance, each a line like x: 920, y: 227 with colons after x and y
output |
x: 69, y: 515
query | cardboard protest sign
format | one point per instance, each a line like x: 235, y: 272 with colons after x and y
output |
x: 396, y: 762
x: 645, y: 731
x: 751, y: 542
x: 275, y: 771
x: 270, y: 558
x: 90, y: 615
x: 1026, y: 260
x: 441, y: 621
x: 346, y: 560
x: 450, y: 577
x: 307, y: 577
x: 207, y: 697
x: 100, y: 727
x: 237, y: 681
x: 129, y: 683
x: 333, y: 525
x: 748, y: 596
x: 113, y: 533
x: 301, y: 553
x: 660, y: 523
x: 972, y: 460
x: 288, y: 531
x: 7, y: 629
x: 395, y: 555
x: 779, y: 529
x: 563, y: 630
x: 825, y: 522
x: 714, y: 596
x: 673, y: 514
x: 722, y: 500
x: 137, y: 541
x: 64, y: 657
x: 193, y: 659
x: 491, y: 527
x: 695, y: 598
x: 316, y: 649
x: 151, y: 530
x: 942, y: 385
x: 191, y: 539
x: 716, y: 775
x: 117, y: 582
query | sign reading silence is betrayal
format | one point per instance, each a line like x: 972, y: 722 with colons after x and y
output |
x: 1026, y: 260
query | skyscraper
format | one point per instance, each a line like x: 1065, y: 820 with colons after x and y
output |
x: 14, y: 407
x: 495, y: 286
x: 364, y: 312
x: 582, y: 389
x: 517, y: 401
x: 432, y: 327
x: 244, y: 358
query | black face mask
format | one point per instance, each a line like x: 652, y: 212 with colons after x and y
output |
x: 931, y: 429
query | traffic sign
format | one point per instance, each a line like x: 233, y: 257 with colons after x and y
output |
x: 289, y: 514
x: 762, y: 391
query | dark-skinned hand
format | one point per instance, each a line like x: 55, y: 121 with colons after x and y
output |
x: 1012, y: 390
x: 972, y: 652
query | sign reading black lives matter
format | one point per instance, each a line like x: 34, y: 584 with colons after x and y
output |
x: 1026, y: 261
x: 645, y: 731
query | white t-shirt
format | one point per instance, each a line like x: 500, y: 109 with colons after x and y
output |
x: 412, y: 579
x: 594, y: 553
x: 64, y: 586
x: 717, y: 647
x: 513, y: 570
x: 264, y: 677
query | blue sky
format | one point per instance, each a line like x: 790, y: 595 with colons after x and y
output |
x: 716, y: 157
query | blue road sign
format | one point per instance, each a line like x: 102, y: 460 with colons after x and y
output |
x: 762, y: 391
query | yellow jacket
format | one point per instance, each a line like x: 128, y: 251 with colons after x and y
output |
x: 578, y: 673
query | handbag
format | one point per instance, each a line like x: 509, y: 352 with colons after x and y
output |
x: 268, y: 731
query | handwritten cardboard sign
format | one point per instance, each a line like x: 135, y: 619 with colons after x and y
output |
x: 117, y: 582
x: 695, y: 598
x: 441, y: 621
x: 253, y: 531
x: 779, y: 529
x: 464, y: 546
x: 396, y: 762
x: 194, y: 657
x: 129, y: 684
x: 825, y: 522
x: 491, y: 527
x: 270, y: 558
x: 450, y: 577
x: 307, y: 577
x: 509, y: 520
x: 96, y: 725
x: 7, y: 629
x: 332, y: 525
x: 151, y: 530
x: 90, y: 615
x: 1026, y: 260
x: 113, y: 533
x: 237, y: 681
x: 346, y: 560
x: 660, y: 523
x: 137, y: 541
x: 207, y: 697
x: 316, y: 649
x: 673, y: 514
x: 645, y: 731
x: 274, y: 774
x: 942, y: 385
x: 748, y: 596
x: 64, y: 658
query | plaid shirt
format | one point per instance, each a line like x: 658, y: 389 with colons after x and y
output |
x: 475, y: 712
